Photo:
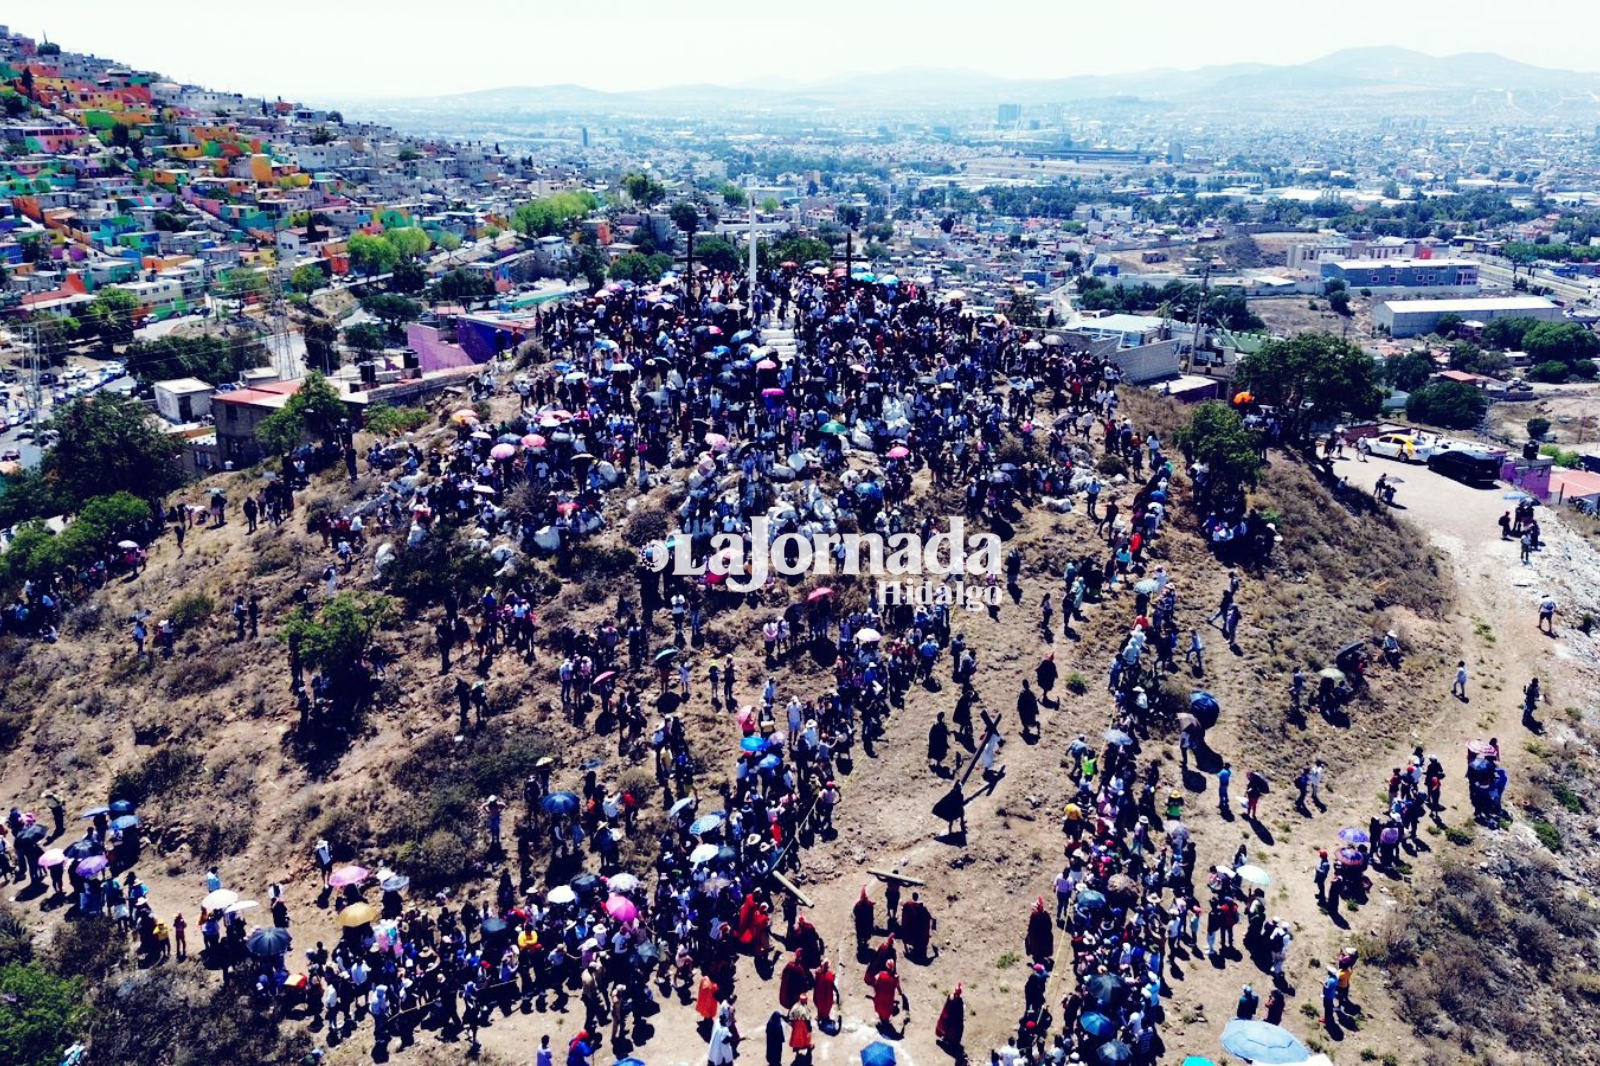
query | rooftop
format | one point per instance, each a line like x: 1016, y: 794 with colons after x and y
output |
x: 1467, y: 304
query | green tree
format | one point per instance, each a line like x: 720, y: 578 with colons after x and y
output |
x: 210, y: 357
x: 40, y: 1014
x: 1409, y: 371
x: 335, y: 639
x: 241, y: 285
x: 107, y: 443
x: 371, y: 255
x: 1310, y: 378
x: 449, y: 241
x: 590, y: 265
x: 1023, y: 309
x: 112, y: 315
x: 1447, y: 325
x: 322, y: 338
x: 553, y: 214
x: 385, y: 421
x: 1552, y: 372
x: 365, y: 338
x: 718, y: 254
x: 640, y: 269
x: 464, y: 286
x: 1451, y: 404
x: 408, y: 278
x: 315, y: 408
x: 1538, y: 426
x: 643, y: 190
x: 307, y: 279
x: 391, y: 309
x: 102, y: 522
x: 1339, y: 303
x: 770, y: 204
x: 734, y: 196
x: 1564, y: 342
x: 1229, y: 448
x: 408, y: 242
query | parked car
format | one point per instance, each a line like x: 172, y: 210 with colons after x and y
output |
x: 1401, y: 446
x: 1468, y: 467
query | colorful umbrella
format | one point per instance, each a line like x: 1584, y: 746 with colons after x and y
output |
x: 268, y: 943
x: 503, y: 451
x: 819, y: 594
x: 622, y: 908
x: 53, y: 857
x: 1352, y: 835
x: 92, y: 865
x: 560, y: 803
x: 126, y: 822
x: 703, y: 853
x: 899, y: 451
x: 358, y: 914
x: 1262, y: 1042
x: 706, y: 823
x: 396, y: 883
x: 533, y: 440
x: 622, y: 882
x: 349, y: 875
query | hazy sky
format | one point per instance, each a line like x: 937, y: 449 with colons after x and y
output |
x: 351, y: 48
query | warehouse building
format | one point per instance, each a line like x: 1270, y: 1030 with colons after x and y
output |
x: 1384, y: 277
x: 1409, y: 318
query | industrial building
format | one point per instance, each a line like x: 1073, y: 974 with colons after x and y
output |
x: 1408, y: 318
x: 1393, y: 276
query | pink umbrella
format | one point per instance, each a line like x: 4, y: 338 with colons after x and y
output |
x: 716, y: 442
x: 502, y: 451
x: 622, y: 909
x: 603, y: 678
x: 348, y: 875
x: 899, y: 451
x: 53, y: 857
x: 533, y: 440
x: 771, y: 392
x: 92, y: 865
x: 746, y: 717
x: 819, y: 594
x: 766, y: 364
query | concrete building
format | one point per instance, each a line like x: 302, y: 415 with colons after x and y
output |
x: 1384, y: 277
x: 183, y: 399
x: 238, y: 413
x: 1408, y: 318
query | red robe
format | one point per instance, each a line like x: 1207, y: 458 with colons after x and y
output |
x: 952, y: 1020
x: 826, y: 994
x: 1041, y: 940
x: 747, y: 916
x: 792, y: 983
x: 885, y: 992
x: 759, y: 939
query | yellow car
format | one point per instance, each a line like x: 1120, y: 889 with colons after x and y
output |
x: 1395, y: 446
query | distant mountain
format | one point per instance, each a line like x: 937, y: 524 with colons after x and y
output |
x: 1408, y: 81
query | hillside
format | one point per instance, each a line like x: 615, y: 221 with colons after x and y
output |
x: 210, y: 740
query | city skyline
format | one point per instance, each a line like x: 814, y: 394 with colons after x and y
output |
x: 362, y: 50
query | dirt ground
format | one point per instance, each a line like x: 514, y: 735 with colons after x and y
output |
x: 979, y: 887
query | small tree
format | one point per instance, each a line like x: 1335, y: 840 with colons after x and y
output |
x: 392, y: 309
x: 1451, y: 404
x: 314, y: 408
x: 1230, y: 449
x: 335, y: 638
x: 365, y: 338
x: 322, y: 351
x: 1538, y: 426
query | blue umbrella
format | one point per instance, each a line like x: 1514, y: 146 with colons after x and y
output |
x: 560, y: 803
x: 706, y: 823
x: 127, y: 821
x: 1089, y: 900
x: 122, y: 806
x: 1204, y: 702
x: 630, y: 1062
x: 753, y: 744
x: 877, y: 1053
x: 1197, y: 1060
x: 1262, y: 1042
x: 1352, y: 835
x: 769, y: 762
x: 1097, y: 1025
x: 742, y: 336
x: 95, y: 812
x: 1114, y: 1053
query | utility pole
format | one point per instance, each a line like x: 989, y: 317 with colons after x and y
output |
x: 35, y: 385
x: 750, y: 200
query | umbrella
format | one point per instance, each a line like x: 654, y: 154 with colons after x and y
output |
x: 706, y: 823
x: 1483, y: 747
x: 349, y: 875
x: 1351, y: 857
x: 622, y: 883
x: 128, y: 545
x: 481, y: 435
x: 1204, y: 702
x: 666, y: 655
x: 1254, y: 875
x: 31, y: 834
x: 899, y: 451
x: 1114, y: 1052
x: 560, y: 803
x: 1196, y: 1060
x: 752, y: 744
x: 395, y: 883
x: 220, y: 899
x: 503, y: 451
x: 1352, y: 835
x: 1118, y: 737
x: 53, y: 857
x: 494, y: 927
x: 1090, y: 900
x: 92, y: 865
x: 265, y: 943
x: 622, y: 908
x: 1103, y: 988
x: 1262, y: 1042
x: 835, y: 428
x: 630, y: 1062
x: 685, y: 804
x: 819, y: 594
x: 95, y: 812
x: 868, y: 636
x: 533, y: 440
x: 769, y: 763
x: 561, y: 894
x: 1332, y: 673
x: 1097, y: 1025
x: 242, y: 906
x: 647, y: 953
x: 584, y: 884
x: 358, y: 914
x: 603, y: 678
x: 704, y: 853
x: 1147, y: 586
x: 877, y: 1053
x: 126, y: 822
x: 122, y: 806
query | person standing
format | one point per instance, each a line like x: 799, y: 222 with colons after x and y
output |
x: 1547, y: 614
x: 938, y: 742
x: 1314, y: 777
x: 1224, y: 776
x: 1321, y: 878
x: 1459, y: 688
